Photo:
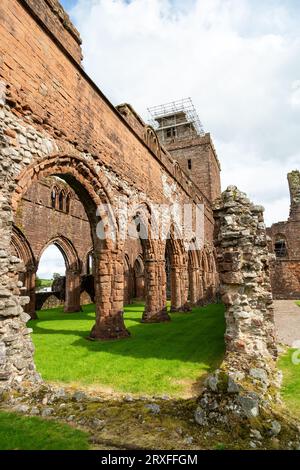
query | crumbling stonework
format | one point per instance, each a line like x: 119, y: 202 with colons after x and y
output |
x: 247, y: 382
x: 284, y: 244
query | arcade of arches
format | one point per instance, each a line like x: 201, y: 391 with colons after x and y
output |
x: 41, y: 221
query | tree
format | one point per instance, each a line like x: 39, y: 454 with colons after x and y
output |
x: 38, y: 282
x: 56, y: 276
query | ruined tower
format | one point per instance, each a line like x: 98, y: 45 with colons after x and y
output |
x: 294, y: 185
x: 180, y: 131
x: 285, y: 244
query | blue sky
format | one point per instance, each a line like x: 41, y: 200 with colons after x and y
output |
x: 67, y: 4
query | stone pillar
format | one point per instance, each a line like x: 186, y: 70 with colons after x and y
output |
x: 179, y: 288
x: 155, y: 291
x: 176, y: 288
x: 72, y: 290
x: 247, y: 380
x: 109, y: 292
x: 193, y: 285
x: 16, y: 348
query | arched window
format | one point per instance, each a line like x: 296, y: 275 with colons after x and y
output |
x: 68, y: 200
x: 138, y: 266
x: 61, y: 201
x: 280, y: 247
x: 53, y: 198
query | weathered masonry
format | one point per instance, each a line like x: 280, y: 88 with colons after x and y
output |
x: 285, y: 245
x: 55, y: 123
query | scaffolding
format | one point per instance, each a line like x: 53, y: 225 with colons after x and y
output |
x: 172, y: 115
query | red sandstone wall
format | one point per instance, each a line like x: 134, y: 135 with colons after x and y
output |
x: 285, y: 279
x: 40, y: 223
x: 52, y: 14
x: 285, y: 272
x: 205, y: 171
x: 48, y: 89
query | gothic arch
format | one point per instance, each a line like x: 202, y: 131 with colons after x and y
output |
x: 176, y: 263
x: 88, y: 269
x: 144, y: 226
x: 61, y: 200
x: 23, y: 248
x: 93, y: 190
x: 139, y: 278
x: 67, y: 249
x: 88, y: 183
x: 152, y: 140
x: 54, y: 194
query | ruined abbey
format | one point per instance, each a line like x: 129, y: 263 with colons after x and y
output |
x: 69, y: 159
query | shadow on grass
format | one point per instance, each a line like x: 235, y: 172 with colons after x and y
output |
x: 194, y: 337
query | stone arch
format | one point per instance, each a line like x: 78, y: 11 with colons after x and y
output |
x: 152, y: 140
x: 54, y: 196
x: 61, y: 200
x: 90, y: 185
x: 89, y: 266
x: 67, y: 249
x: 195, y: 292
x: 27, y: 276
x: 22, y: 247
x: 92, y: 188
x: 143, y: 225
x: 177, y: 262
x: 139, y: 278
x: 73, y: 271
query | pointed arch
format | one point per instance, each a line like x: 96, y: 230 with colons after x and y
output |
x: 54, y: 197
x: 67, y: 250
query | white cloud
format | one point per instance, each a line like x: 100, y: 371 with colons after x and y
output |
x: 237, y: 59
x: 51, y: 262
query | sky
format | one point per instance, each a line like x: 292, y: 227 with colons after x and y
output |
x: 237, y: 59
x: 51, y: 262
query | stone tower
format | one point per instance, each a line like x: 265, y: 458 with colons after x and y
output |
x: 294, y: 185
x: 180, y: 132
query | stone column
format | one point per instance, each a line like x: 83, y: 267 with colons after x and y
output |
x: 200, y: 293
x: 179, y: 288
x: 176, y: 288
x: 155, y: 291
x: 109, y: 292
x: 73, y: 290
x: 193, y: 285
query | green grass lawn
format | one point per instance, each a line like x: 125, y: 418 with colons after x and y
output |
x: 166, y: 358
x: 46, y: 282
x: 32, y: 433
x: 291, y: 382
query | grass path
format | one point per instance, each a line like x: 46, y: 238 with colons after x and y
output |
x: 33, y: 433
x: 163, y: 358
x: 291, y: 381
